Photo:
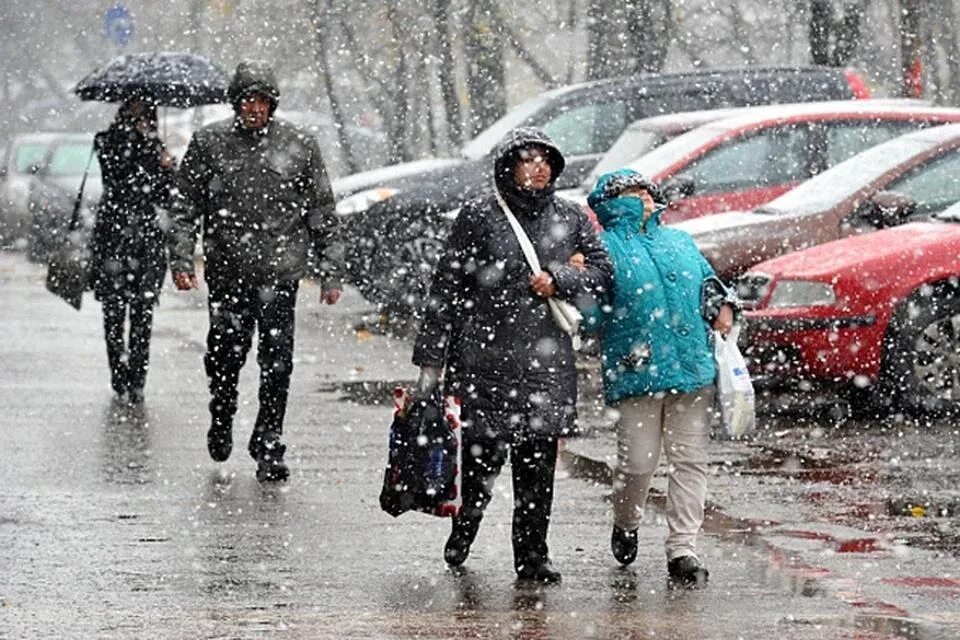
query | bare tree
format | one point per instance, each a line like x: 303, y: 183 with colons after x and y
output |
x: 320, y: 19
x: 486, y: 81
x: 834, y: 41
x: 948, y: 34
x: 911, y: 59
x: 627, y: 36
x: 448, y: 84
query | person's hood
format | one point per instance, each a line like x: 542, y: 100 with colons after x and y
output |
x: 612, y: 210
x: 506, y: 155
x: 254, y: 77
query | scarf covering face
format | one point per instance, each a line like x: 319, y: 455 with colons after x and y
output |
x: 616, y: 211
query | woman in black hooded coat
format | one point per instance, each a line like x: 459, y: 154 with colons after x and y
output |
x: 129, y: 255
x: 488, y: 324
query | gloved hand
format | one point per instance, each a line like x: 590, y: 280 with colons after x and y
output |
x: 428, y: 381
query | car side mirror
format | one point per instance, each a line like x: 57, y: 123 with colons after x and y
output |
x: 887, y: 209
x: 3, y: 172
x: 677, y: 187
x: 34, y: 169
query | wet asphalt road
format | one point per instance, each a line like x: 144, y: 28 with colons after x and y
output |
x: 114, y: 523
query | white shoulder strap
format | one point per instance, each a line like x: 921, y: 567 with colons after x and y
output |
x: 525, y: 245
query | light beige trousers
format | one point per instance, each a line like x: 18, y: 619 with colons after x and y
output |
x: 679, y: 425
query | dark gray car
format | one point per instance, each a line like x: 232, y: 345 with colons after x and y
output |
x: 396, y: 227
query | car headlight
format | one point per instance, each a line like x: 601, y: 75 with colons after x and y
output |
x: 363, y: 200
x: 802, y: 293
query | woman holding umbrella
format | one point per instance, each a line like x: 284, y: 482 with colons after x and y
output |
x: 128, y: 255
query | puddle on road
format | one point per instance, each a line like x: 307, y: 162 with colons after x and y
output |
x: 366, y: 392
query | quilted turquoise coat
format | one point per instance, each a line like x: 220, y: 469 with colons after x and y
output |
x: 653, y: 330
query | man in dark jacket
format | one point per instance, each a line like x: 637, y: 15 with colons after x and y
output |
x: 488, y: 323
x: 260, y: 189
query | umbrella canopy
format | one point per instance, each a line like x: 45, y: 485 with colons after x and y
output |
x: 166, y: 78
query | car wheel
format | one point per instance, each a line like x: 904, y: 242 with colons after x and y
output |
x: 922, y: 352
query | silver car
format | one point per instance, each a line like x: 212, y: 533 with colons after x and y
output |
x: 23, y: 160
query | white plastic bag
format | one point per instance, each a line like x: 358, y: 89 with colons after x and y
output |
x: 734, y: 388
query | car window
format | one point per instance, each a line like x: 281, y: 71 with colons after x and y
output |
x: 847, y: 139
x: 769, y: 158
x: 635, y: 142
x: 28, y: 155
x: 592, y: 128
x: 486, y: 141
x: 934, y: 185
x: 71, y: 159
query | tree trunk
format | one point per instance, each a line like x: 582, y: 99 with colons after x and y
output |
x: 397, y: 127
x: 321, y: 34
x: 848, y: 33
x: 951, y: 50
x: 649, y: 30
x: 607, y: 39
x: 448, y: 83
x: 821, y: 20
x: 911, y: 61
x: 627, y: 36
x: 486, y: 81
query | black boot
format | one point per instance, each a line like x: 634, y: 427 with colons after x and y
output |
x: 542, y: 571
x: 687, y: 572
x: 270, y: 465
x: 220, y: 437
x: 623, y: 543
x: 457, y: 549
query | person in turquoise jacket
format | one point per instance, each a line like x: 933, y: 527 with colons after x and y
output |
x: 658, y: 364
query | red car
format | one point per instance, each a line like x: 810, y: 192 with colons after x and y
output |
x: 877, y: 313
x: 747, y: 160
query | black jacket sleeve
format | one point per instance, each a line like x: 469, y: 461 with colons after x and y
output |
x: 187, y: 206
x: 448, y: 291
x: 586, y: 286
x: 322, y: 221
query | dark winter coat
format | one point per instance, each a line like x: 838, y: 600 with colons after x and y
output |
x: 262, y: 196
x: 504, y: 355
x: 128, y: 255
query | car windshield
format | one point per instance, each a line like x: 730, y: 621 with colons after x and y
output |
x: 831, y: 187
x: 486, y: 140
x: 661, y: 158
x: 635, y: 142
x: 70, y: 159
x: 29, y: 155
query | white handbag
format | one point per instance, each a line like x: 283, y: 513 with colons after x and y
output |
x: 565, y: 315
x: 734, y: 388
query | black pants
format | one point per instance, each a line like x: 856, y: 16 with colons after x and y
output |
x: 236, y: 310
x: 128, y: 359
x: 533, y: 462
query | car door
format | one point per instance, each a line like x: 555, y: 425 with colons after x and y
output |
x: 744, y: 172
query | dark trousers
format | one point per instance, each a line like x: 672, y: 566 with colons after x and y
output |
x: 533, y: 462
x: 128, y: 358
x: 236, y: 309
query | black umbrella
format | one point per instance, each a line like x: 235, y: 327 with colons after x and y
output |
x: 166, y: 78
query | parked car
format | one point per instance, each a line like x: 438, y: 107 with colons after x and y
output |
x: 645, y: 135
x: 747, y: 160
x: 22, y: 160
x: 54, y: 190
x: 850, y: 198
x: 396, y: 225
x: 876, y: 315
